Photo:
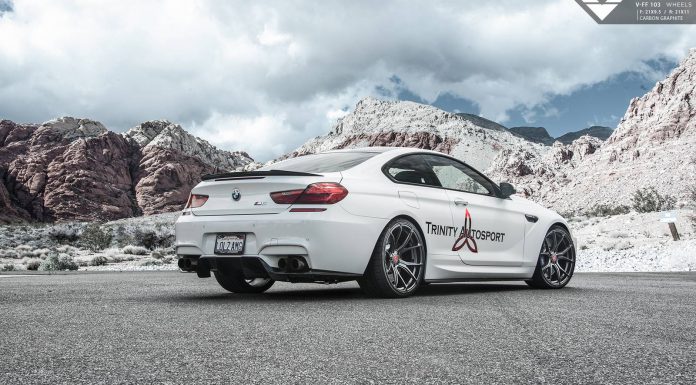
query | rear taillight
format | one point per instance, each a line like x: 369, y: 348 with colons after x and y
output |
x: 286, y: 197
x: 324, y: 193
x: 196, y: 200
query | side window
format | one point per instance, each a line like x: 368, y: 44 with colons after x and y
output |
x: 412, y: 169
x: 457, y: 176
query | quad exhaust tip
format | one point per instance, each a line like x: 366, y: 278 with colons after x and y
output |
x: 187, y: 264
x: 293, y: 264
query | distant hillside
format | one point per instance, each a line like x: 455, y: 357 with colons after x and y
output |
x: 537, y: 134
x: 534, y: 134
x: 600, y: 132
x: 482, y: 122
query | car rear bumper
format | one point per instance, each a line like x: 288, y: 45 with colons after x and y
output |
x: 255, y: 267
x: 333, y: 242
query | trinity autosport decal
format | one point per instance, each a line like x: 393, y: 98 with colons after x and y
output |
x: 466, y: 235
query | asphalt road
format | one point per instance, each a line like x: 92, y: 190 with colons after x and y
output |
x: 175, y: 328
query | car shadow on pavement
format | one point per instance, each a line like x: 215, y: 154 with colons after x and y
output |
x: 330, y: 293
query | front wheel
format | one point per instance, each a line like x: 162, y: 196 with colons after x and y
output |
x: 556, y: 262
x: 235, y: 282
x: 397, y: 266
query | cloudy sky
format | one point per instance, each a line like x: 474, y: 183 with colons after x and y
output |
x: 265, y: 76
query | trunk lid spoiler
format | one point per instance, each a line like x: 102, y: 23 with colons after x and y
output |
x: 254, y: 174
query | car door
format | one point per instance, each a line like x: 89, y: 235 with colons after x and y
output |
x: 490, y: 229
x: 419, y: 189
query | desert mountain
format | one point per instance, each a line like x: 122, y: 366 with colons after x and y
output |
x: 653, y: 146
x: 534, y: 134
x: 401, y: 123
x: 600, y: 132
x: 540, y: 135
x: 488, y: 147
x: 75, y: 169
x: 482, y: 122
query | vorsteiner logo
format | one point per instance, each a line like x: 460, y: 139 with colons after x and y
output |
x: 602, y: 8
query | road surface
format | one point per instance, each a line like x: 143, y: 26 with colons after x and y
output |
x: 168, y: 327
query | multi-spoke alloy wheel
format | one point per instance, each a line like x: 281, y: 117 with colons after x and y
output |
x: 398, y: 261
x: 556, y: 260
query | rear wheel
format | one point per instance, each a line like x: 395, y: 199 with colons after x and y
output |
x: 556, y: 262
x: 235, y: 282
x: 397, y: 266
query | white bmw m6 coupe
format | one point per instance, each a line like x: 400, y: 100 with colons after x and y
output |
x: 391, y: 218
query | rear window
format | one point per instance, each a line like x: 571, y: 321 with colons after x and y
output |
x: 318, y: 163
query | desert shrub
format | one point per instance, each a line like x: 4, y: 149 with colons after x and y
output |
x: 623, y: 245
x: 150, y: 262
x: 157, y: 254
x: 115, y: 255
x: 691, y: 196
x: 95, y: 238
x: 151, y: 239
x: 56, y: 262
x: 8, y: 267
x: 567, y: 214
x: 691, y: 199
x: 9, y: 253
x: 603, y: 210
x: 99, y: 260
x: 82, y: 262
x: 648, y: 200
x: 134, y: 250
x: 67, y: 249
x: 64, y: 233
x: 121, y: 236
x: 40, y: 253
x: 618, y: 234
x: 33, y: 264
x: 26, y: 251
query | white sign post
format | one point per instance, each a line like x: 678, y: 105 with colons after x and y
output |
x: 670, y: 218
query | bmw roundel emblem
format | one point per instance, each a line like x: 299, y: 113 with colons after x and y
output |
x: 236, y: 195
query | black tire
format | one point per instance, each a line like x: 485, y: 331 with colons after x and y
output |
x: 389, y: 264
x: 235, y: 282
x: 556, y: 258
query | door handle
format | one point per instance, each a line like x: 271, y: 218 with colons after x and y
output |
x: 460, y: 202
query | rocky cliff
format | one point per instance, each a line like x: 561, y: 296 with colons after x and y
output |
x: 75, y: 169
x: 653, y: 146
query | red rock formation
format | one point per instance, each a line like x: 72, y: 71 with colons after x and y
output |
x: 74, y: 169
x: 165, y: 178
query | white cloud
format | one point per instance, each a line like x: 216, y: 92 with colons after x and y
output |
x: 265, y: 76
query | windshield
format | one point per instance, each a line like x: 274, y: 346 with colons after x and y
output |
x: 318, y: 163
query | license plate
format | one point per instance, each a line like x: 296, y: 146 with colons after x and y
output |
x: 229, y: 243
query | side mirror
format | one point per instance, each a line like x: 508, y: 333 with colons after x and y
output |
x: 506, y: 189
